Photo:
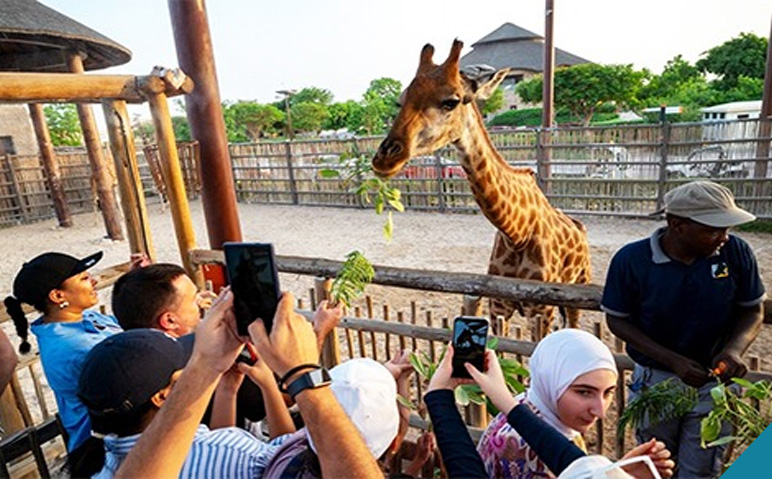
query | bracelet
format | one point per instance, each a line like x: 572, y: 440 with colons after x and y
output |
x: 291, y: 372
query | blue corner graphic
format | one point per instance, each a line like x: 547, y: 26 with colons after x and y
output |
x: 754, y: 461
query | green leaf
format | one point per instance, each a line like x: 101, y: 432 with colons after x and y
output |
x: 718, y: 394
x: 710, y: 428
x: 744, y: 383
x: 418, y: 365
x: 388, y: 228
x: 397, y: 205
x: 462, y: 397
x: 328, y: 173
x: 722, y: 441
x: 405, y: 402
x: 493, y: 342
x: 378, y: 204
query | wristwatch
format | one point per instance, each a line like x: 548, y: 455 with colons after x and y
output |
x: 313, y: 379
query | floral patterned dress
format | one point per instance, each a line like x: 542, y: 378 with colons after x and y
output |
x: 506, y: 455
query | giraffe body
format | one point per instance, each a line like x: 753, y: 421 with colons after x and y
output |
x: 534, y: 240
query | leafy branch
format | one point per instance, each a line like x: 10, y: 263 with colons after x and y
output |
x: 658, y: 403
x: 357, y: 173
x: 356, y: 273
x: 471, y: 393
x: 747, y: 421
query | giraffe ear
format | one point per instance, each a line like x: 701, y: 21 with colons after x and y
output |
x: 485, y: 90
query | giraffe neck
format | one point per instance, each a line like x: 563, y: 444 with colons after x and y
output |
x: 508, y: 197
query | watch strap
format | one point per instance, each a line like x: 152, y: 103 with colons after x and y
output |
x: 309, y: 380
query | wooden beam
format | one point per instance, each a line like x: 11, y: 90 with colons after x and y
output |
x: 50, y: 165
x: 76, y: 88
x: 129, y: 181
x: 175, y: 184
x: 582, y: 296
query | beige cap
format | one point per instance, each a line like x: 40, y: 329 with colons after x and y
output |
x: 707, y: 203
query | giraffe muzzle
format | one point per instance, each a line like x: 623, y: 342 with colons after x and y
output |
x: 388, y: 159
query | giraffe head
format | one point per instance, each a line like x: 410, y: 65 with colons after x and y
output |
x: 433, y: 108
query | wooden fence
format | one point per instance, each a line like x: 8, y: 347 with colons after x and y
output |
x: 613, y: 170
x: 371, y: 330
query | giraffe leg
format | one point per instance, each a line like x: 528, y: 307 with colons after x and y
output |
x: 572, y: 316
x: 500, y: 311
x: 543, y: 316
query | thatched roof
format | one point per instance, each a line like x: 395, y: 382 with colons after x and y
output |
x: 510, y: 46
x: 34, y: 37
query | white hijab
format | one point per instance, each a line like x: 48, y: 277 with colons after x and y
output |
x: 556, y: 362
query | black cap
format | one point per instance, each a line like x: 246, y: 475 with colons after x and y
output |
x: 46, y: 272
x: 124, y: 371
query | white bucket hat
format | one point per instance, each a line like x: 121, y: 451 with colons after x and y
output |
x: 367, y: 392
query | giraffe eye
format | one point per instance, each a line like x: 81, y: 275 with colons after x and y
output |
x: 449, y: 104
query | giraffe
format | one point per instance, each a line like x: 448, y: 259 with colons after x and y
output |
x: 534, y: 240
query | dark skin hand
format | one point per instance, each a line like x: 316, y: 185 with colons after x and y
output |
x: 728, y: 363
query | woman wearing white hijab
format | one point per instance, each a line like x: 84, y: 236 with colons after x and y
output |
x: 573, y: 379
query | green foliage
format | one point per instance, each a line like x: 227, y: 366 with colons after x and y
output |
x: 312, y: 94
x: 181, y: 128
x: 380, y: 104
x: 532, y: 117
x: 758, y: 226
x: 581, y: 89
x: 345, y: 115
x: 660, y: 402
x: 249, y: 120
x: 63, y: 124
x: 494, y: 103
x: 356, y: 273
x: 741, y: 56
x: 471, y: 393
x: 357, y: 173
x: 747, y: 422
x: 308, y: 116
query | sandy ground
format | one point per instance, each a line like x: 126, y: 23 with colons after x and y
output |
x: 448, y: 242
x: 435, y: 241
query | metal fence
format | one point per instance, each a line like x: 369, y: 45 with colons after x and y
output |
x: 606, y: 170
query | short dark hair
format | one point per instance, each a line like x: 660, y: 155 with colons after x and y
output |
x: 140, y: 295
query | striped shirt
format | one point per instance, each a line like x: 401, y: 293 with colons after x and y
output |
x: 222, y: 453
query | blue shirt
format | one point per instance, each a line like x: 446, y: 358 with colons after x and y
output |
x: 222, y: 453
x: 63, y: 348
x: 689, y: 309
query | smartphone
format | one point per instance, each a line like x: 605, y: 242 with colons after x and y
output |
x: 470, y: 336
x: 254, y: 280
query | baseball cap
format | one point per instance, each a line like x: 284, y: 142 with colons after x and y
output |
x: 124, y: 371
x: 367, y: 392
x: 43, y: 273
x: 706, y: 202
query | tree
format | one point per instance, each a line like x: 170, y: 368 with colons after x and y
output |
x: 311, y: 94
x: 345, y: 115
x: 741, y: 56
x: 380, y: 104
x: 181, y: 128
x: 494, y: 103
x: 581, y: 89
x: 63, y: 124
x: 309, y: 116
x: 247, y: 120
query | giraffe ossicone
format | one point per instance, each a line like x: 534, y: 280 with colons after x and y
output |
x: 534, y: 240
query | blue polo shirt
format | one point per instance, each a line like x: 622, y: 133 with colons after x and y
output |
x: 688, y: 309
x: 63, y: 348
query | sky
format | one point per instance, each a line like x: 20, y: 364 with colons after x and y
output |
x: 341, y: 45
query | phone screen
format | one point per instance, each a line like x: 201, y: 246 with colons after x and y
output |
x: 470, y: 336
x: 254, y: 281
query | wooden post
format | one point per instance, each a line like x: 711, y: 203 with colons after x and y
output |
x: 50, y: 165
x: 195, y: 54
x: 662, y: 180
x: 477, y: 414
x: 99, y: 170
x: 129, y: 183
x: 373, y: 343
x: 175, y: 184
x: 600, y: 433
x: 331, y: 347
x: 23, y: 210
x: 621, y: 400
x: 291, y: 172
x: 11, y: 419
